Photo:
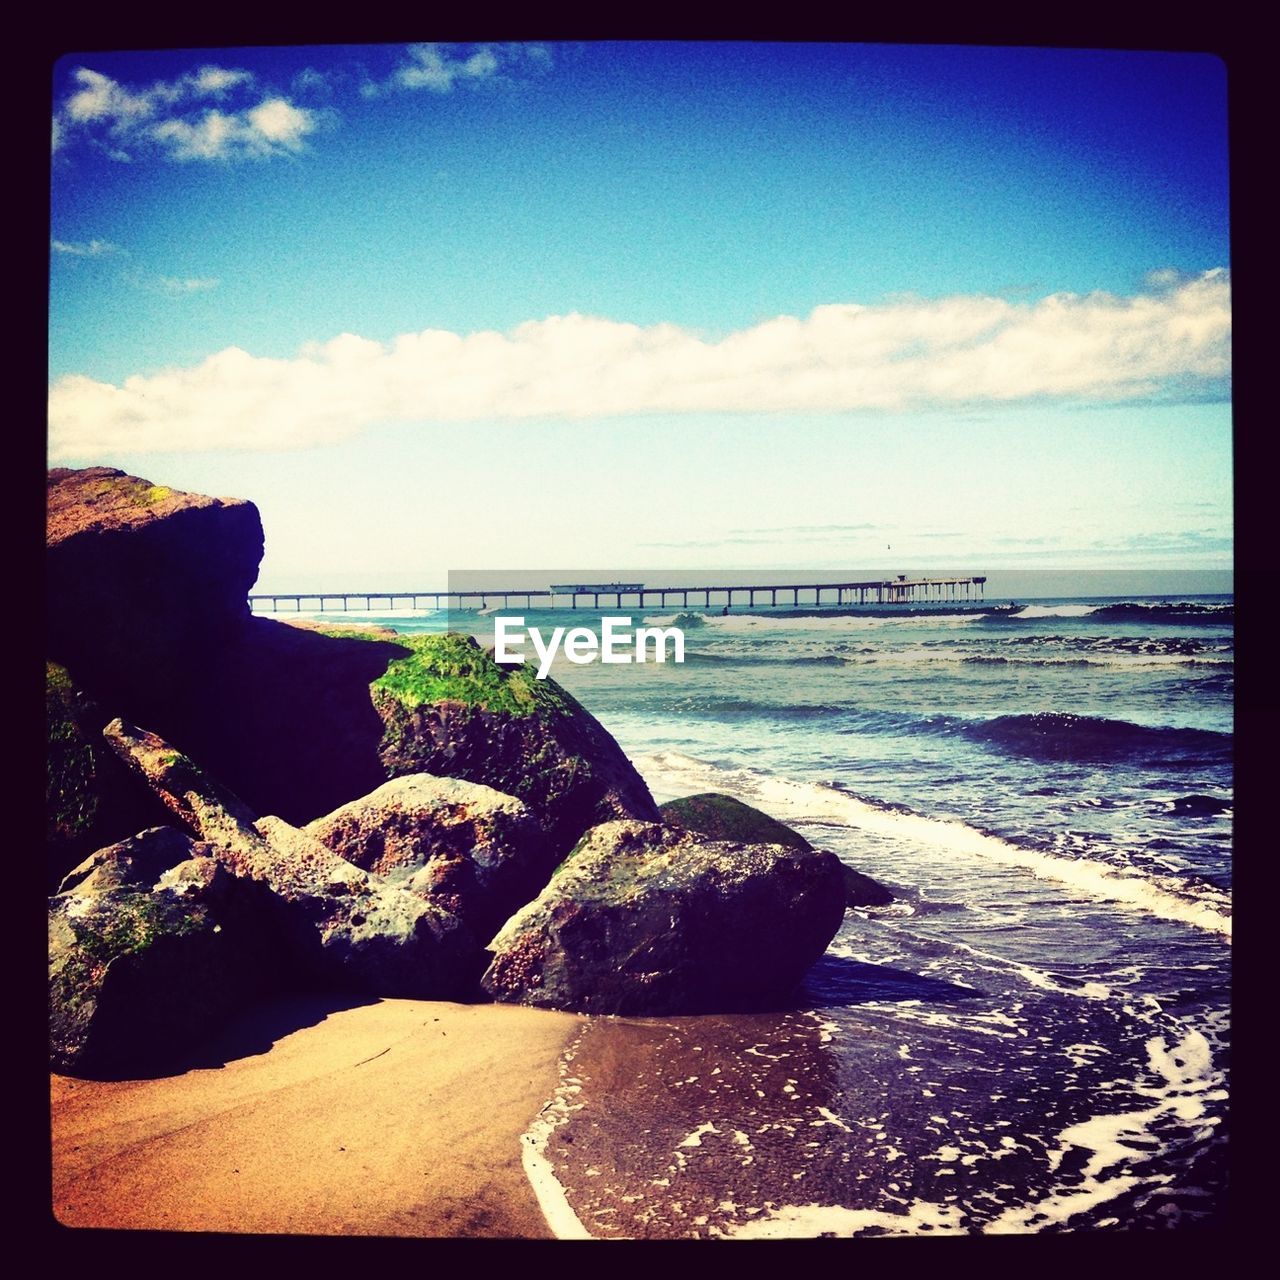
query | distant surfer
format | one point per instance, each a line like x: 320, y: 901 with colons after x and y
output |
x: 724, y: 611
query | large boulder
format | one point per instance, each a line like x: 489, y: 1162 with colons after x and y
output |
x: 478, y: 853
x: 341, y: 924
x: 726, y: 818
x: 648, y: 919
x: 142, y: 580
x: 152, y: 943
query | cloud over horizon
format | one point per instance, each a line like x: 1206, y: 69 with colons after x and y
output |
x: 1172, y: 341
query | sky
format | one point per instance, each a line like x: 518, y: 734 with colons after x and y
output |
x: 703, y: 305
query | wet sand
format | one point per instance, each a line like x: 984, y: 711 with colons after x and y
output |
x: 692, y: 1127
x: 397, y: 1118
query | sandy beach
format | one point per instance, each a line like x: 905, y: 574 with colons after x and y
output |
x: 394, y: 1118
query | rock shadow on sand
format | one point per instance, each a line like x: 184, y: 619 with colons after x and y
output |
x: 254, y: 1031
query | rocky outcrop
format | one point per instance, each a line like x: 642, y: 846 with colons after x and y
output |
x: 473, y: 851
x: 152, y: 943
x: 142, y: 580
x: 340, y: 923
x: 451, y: 786
x: 647, y: 919
x: 726, y: 818
x: 147, y: 612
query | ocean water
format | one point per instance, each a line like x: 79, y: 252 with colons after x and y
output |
x: 1034, y: 1035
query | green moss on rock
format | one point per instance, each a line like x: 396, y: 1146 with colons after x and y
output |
x: 140, y: 492
x: 90, y: 798
x: 71, y: 796
x: 135, y: 921
x: 724, y: 818
x: 454, y: 668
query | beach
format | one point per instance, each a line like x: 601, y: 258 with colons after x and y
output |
x: 392, y: 1118
x: 1032, y: 1037
x: 641, y: 643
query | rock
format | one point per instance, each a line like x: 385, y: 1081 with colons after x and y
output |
x: 478, y: 853
x: 151, y: 944
x: 648, y: 919
x: 148, y: 612
x: 299, y: 723
x: 450, y: 709
x: 139, y: 860
x: 863, y: 891
x: 725, y: 818
x: 285, y: 717
x: 91, y: 799
x: 142, y: 581
x: 340, y: 922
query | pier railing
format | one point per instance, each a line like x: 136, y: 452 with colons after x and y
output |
x: 899, y: 590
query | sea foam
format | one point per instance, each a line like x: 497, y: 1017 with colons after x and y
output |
x: 1205, y: 906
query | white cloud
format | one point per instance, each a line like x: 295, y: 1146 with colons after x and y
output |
x: 273, y: 127
x: 905, y: 355
x: 175, y: 286
x: 280, y: 123
x: 217, y: 81
x: 87, y: 249
x: 178, y: 285
x: 208, y: 138
x: 309, y: 80
x: 169, y: 117
x: 172, y: 286
x: 441, y: 67
x: 101, y: 99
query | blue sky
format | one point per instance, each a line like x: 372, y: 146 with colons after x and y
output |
x: 721, y: 304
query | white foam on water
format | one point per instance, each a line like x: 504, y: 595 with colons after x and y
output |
x: 695, y: 1138
x: 830, y: 1117
x: 919, y: 657
x: 1182, y: 1080
x: 552, y: 1200
x: 1206, y: 907
x: 1103, y: 660
x: 1084, y: 1055
x: 826, y: 1028
x: 1058, y: 1208
x: 1037, y: 977
x: 1056, y: 611
x: 808, y: 1220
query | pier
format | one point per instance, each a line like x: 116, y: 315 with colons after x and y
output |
x: 883, y: 591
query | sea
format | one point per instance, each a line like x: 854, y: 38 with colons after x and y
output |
x: 1034, y: 1035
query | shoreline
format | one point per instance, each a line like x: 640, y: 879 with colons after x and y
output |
x: 389, y: 1118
